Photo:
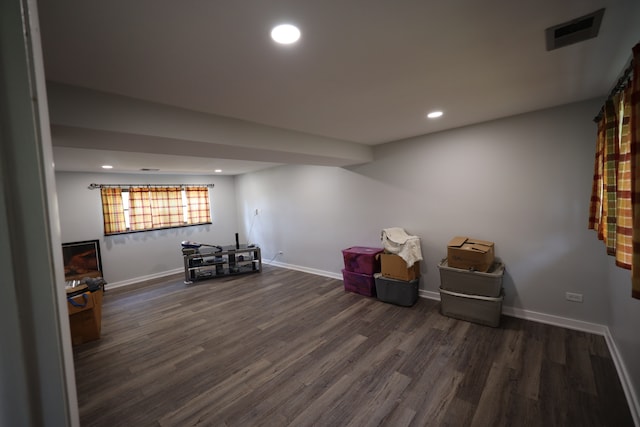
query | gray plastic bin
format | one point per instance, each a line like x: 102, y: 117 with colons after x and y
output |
x: 470, y: 282
x: 472, y: 308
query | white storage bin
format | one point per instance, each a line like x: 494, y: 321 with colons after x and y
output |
x: 470, y: 282
x: 472, y: 308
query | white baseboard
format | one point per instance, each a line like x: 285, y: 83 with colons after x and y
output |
x: 429, y: 294
x: 135, y: 280
x: 551, y: 319
x: 324, y: 273
x: 579, y: 325
x: 548, y: 319
x: 113, y: 285
x: 627, y: 386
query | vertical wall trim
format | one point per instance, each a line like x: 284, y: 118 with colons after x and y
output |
x: 33, y: 298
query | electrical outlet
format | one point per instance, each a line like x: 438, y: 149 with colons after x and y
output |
x: 257, y: 211
x: 570, y: 296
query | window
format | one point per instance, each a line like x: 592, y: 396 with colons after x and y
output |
x: 140, y: 208
x: 614, y: 210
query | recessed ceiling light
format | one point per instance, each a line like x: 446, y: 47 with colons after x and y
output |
x: 218, y: 170
x: 434, y: 114
x: 285, y: 34
x: 107, y: 167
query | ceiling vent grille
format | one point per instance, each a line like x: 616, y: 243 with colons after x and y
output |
x: 577, y: 30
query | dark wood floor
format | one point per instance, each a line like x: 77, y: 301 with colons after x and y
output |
x: 288, y: 348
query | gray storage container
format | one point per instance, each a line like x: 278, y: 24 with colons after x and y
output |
x: 399, y: 292
x: 470, y: 282
x: 472, y: 308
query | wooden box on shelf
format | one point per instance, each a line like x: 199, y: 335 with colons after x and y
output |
x: 85, y: 316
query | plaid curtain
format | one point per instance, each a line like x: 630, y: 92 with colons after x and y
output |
x: 634, y: 136
x: 155, y: 207
x: 602, y: 212
x: 166, y: 206
x: 139, y: 209
x: 112, y: 210
x: 614, y: 210
x: 596, y: 204
x: 198, y: 205
x: 624, y: 212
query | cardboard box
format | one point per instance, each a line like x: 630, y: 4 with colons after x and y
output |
x: 470, y: 254
x: 85, y: 317
x: 363, y: 284
x: 394, y: 267
x: 487, y: 284
x: 361, y: 259
x: 472, y: 308
x: 399, y: 292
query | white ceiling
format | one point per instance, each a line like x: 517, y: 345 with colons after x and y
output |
x: 364, y: 71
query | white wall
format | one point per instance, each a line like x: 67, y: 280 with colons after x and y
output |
x: 128, y: 257
x: 523, y: 182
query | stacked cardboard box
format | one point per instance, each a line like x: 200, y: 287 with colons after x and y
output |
x: 360, y: 264
x: 472, y: 290
x: 394, y: 267
x: 397, y: 283
x: 470, y: 254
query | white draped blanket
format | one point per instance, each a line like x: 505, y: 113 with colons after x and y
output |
x: 396, y: 241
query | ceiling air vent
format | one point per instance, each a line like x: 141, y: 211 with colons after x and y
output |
x: 577, y: 30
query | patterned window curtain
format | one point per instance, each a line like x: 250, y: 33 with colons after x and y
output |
x: 166, y: 206
x: 112, y: 210
x: 614, y: 210
x: 634, y: 136
x: 198, y: 205
x: 139, y: 209
x: 596, y: 211
x: 624, y: 212
x: 602, y: 216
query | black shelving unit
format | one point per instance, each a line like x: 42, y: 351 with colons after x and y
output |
x: 209, y: 262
